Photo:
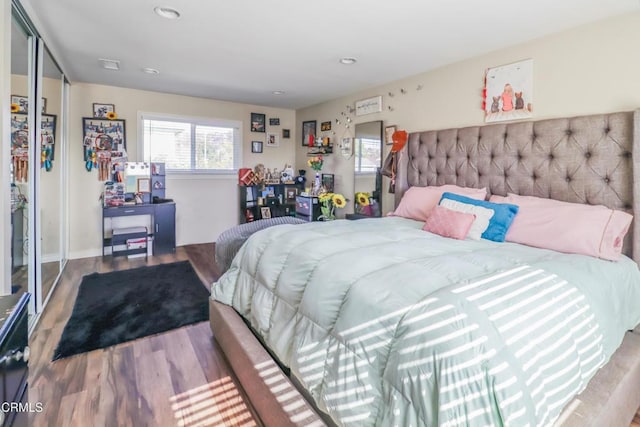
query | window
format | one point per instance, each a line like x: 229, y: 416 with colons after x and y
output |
x: 193, y: 145
x: 367, y: 155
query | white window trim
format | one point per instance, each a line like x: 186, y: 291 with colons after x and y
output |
x: 206, y: 121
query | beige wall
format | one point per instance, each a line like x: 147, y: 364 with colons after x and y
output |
x: 206, y: 205
x: 588, y: 70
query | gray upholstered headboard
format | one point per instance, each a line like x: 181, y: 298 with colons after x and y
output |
x: 588, y: 159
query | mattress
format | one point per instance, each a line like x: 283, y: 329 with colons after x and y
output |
x: 385, y: 324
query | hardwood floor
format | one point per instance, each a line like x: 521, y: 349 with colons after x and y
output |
x: 178, y: 378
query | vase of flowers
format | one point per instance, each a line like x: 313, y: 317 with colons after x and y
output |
x: 328, y: 204
x: 363, y: 203
x: 315, y: 163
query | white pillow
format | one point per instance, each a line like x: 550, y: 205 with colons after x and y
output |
x: 483, y: 216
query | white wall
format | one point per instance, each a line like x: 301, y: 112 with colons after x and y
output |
x: 587, y: 70
x: 205, y: 205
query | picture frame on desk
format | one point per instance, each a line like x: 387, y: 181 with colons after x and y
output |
x: 291, y: 193
x: 144, y: 185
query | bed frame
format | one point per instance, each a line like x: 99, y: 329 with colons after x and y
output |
x: 589, y: 159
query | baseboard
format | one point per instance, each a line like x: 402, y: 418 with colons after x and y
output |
x: 88, y: 253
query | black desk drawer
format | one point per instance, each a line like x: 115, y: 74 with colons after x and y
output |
x: 128, y: 211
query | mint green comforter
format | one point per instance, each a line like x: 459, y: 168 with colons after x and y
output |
x: 388, y: 325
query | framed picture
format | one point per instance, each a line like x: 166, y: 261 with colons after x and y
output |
x: 308, y: 133
x: 100, y: 110
x: 256, y: 146
x: 144, y: 185
x: 274, y: 122
x: 257, y: 122
x: 346, y: 147
x: 327, y: 181
x: 325, y: 126
x: 265, y: 212
x: 272, y: 140
x: 292, y: 193
x: 48, y: 133
x: 509, y: 92
x: 102, y: 135
x: 388, y: 134
x: 286, y: 133
x: 22, y: 103
x: 369, y: 105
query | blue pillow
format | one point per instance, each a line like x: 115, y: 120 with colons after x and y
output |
x: 503, y: 215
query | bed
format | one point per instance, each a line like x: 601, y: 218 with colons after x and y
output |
x: 421, y: 330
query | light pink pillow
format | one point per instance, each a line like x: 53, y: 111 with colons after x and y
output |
x: 417, y: 202
x: 567, y: 227
x: 448, y: 223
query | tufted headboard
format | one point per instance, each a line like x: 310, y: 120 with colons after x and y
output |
x: 588, y: 159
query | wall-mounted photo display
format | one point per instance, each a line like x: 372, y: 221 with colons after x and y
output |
x: 309, y: 133
x: 328, y: 180
x: 101, y: 111
x: 256, y: 146
x: 103, y: 142
x: 286, y: 133
x: 325, y: 126
x: 274, y: 121
x: 258, y: 122
x: 272, y: 140
x: 509, y: 92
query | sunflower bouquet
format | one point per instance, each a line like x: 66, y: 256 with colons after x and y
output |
x: 315, y: 163
x: 329, y: 202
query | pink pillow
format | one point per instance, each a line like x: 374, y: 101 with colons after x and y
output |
x: 448, y: 223
x: 417, y: 202
x: 567, y: 227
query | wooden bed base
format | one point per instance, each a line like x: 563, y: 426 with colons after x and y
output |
x: 611, y: 399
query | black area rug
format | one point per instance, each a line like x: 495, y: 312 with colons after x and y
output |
x: 121, y: 306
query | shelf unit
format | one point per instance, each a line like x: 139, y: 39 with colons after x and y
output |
x: 280, y: 199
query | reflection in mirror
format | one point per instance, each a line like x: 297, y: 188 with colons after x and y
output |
x: 50, y: 191
x: 368, y: 160
x: 20, y: 137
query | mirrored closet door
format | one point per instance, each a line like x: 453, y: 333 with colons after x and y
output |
x: 22, y: 90
x: 38, y: 164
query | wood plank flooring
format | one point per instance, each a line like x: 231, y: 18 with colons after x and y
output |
x: 178, y: 378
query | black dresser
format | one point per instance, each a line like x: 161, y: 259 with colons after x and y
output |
x: 14, y: 357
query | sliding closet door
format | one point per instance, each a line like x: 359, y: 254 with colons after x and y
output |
x: 23, y: 277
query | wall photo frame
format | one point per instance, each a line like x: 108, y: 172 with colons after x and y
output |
x: 103, y: 135
x: 258, y: 122
x: 286, y: 133
x: 508, y: 92
x: 21, y: 104
x: 274, y: 121
x: 100, y: 110
x: 325, y: 126
x: 388, y: 134
x: 256, y: 146
x: 369, y: 106
x: 309, y: 133
x: 272, y: 140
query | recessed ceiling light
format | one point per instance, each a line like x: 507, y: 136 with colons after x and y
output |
x: 151, y: 71
x: 348, y: 60
x: 166, y: 12
x: 109, y: 64
x: 278, y: 92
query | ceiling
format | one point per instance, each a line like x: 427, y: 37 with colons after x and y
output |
x: 243, y: 50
